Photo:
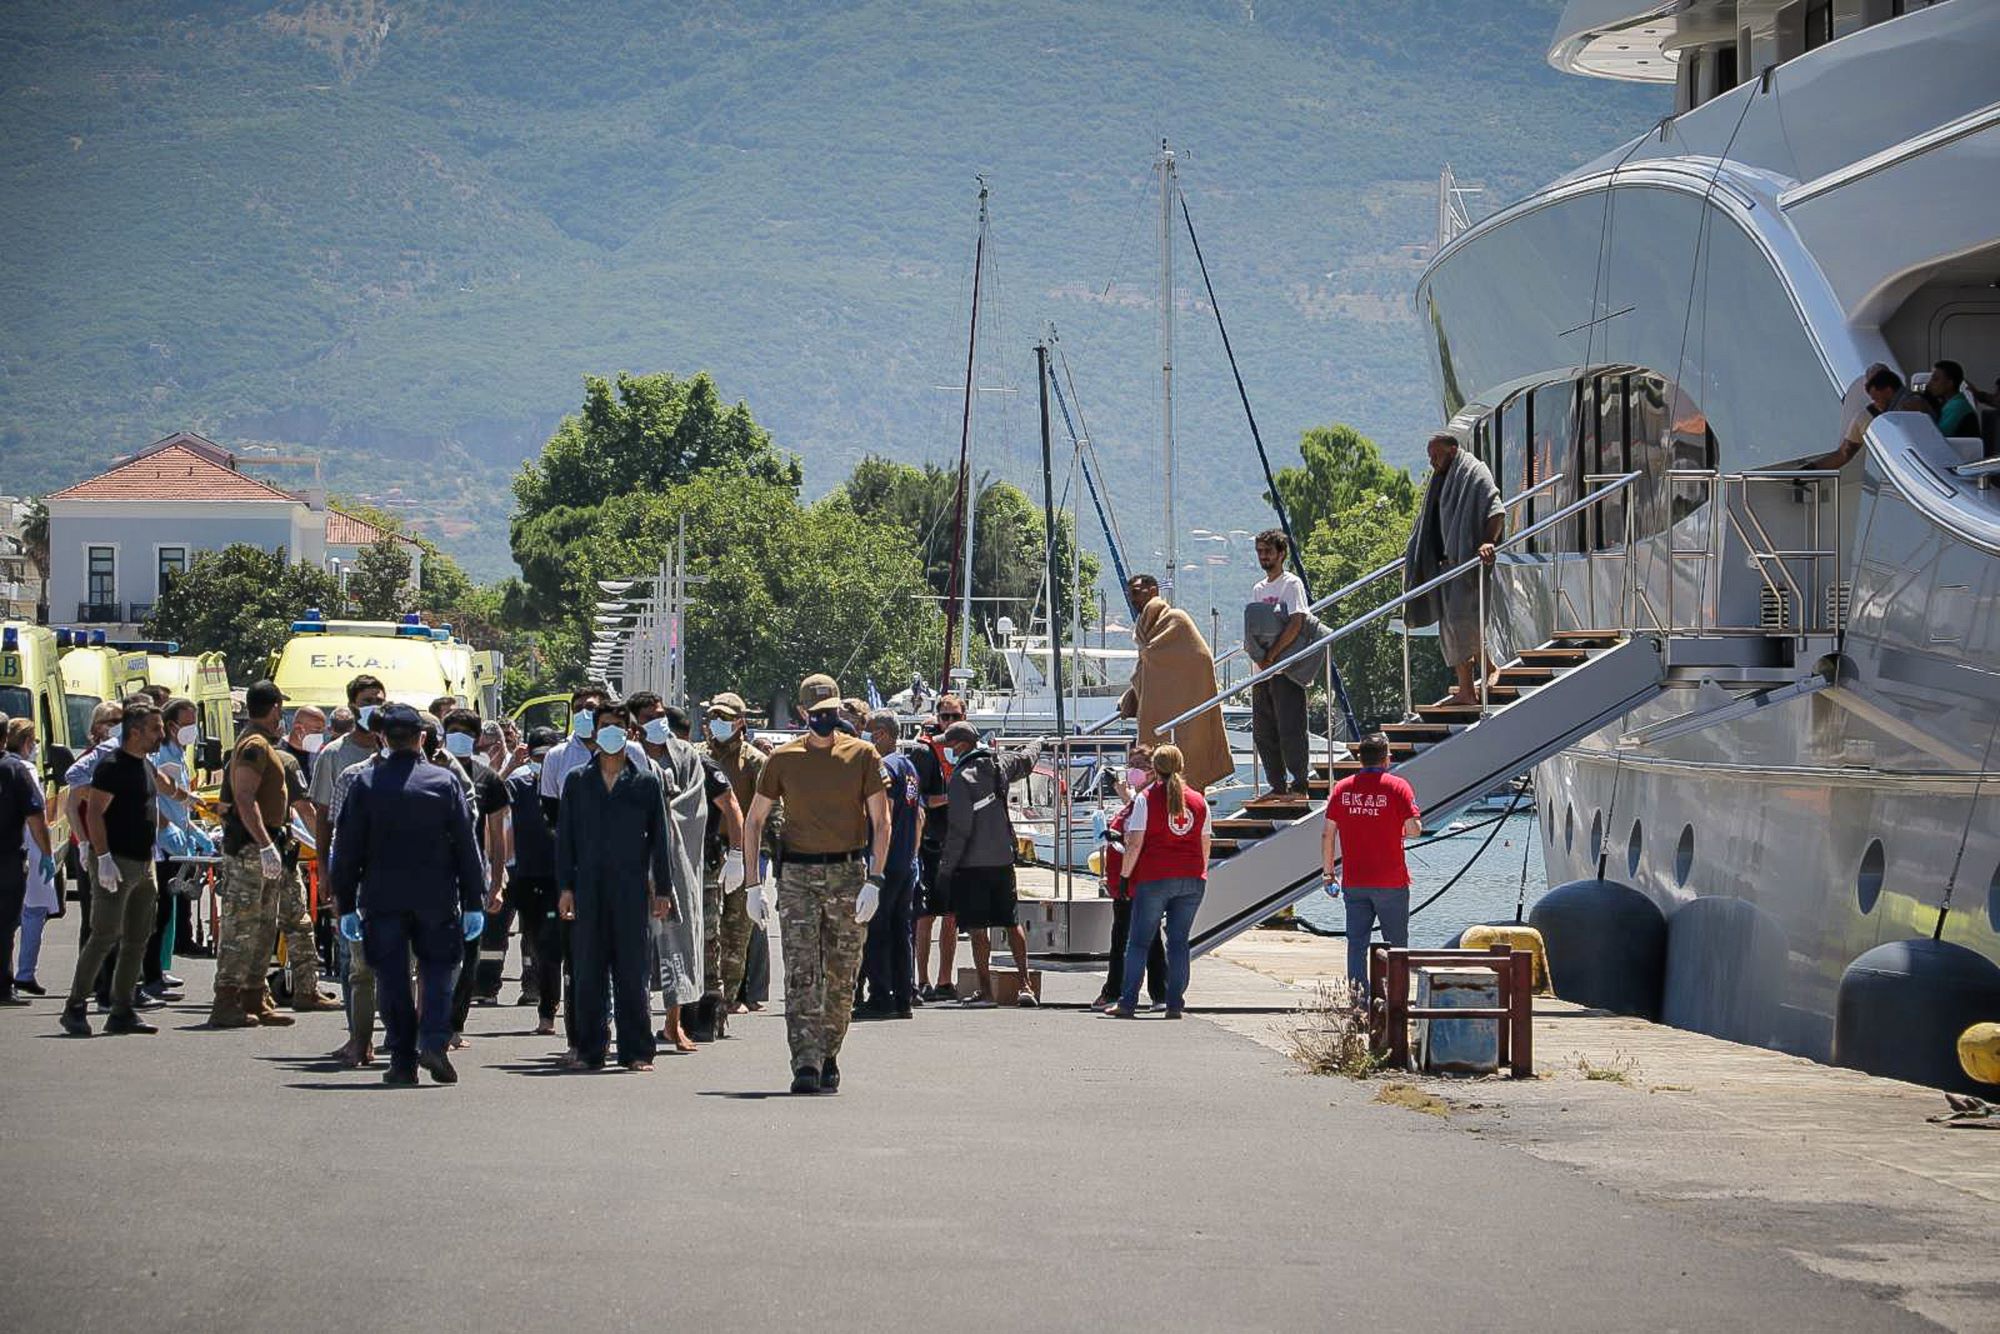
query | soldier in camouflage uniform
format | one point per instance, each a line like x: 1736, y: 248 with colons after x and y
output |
x: 725, y: 914
x: 836, y: 814
x: 253, y: 869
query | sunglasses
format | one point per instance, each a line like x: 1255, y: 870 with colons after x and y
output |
x: 951, y: 717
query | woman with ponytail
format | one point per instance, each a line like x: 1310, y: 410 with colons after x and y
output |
x: 1166, y: 861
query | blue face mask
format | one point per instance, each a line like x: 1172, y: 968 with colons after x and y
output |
x: 657, y: 732
x: 611, y: 738
x: 581, y: 722
x: 721, y: 729
x: 459, y: 743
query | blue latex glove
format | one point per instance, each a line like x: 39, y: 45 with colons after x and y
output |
x: 475, y: 922
x: 173, y: 842
x: 350, y: 927
x: 202, y: 843
x: 48, y: 867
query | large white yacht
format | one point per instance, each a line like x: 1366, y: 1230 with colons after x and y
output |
x: 1817, y: 777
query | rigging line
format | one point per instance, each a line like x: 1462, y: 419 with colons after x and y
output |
x: 1965, y: 835
x: 1104, y: 521
x: 1089, y: 442
x: 1131, y: 228
x: 964, y: 449
x: 1521, y: 899
x: 1264, y: 457
x: 1610, y: 814
x: 1702, y: 229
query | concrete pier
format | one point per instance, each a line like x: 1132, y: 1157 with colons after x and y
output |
x: 998, y: 1169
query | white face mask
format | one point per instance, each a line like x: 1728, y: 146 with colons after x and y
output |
x: 188, y: 735
x: 311, y: 742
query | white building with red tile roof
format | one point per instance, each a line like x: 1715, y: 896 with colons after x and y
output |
x: 117, y: 539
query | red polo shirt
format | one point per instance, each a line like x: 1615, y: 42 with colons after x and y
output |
x: 1369, y: 809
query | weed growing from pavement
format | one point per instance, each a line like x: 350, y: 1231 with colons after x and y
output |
x: 1329, y: 1034
x: 1619, y: 1069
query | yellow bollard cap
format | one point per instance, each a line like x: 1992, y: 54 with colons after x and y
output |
x: 1979, y: 1052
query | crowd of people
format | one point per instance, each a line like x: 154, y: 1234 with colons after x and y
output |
x: 632, y: 857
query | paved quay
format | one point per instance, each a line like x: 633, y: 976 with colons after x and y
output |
x: 998, y: 1169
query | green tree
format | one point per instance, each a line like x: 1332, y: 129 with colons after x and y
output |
x: 1346, y: 545
x: 241, y: 600
x: 641, y: 435
x: 1342, y: 468
x: 791, y: 588
x: 379, y: 585
x: 1009, y: 543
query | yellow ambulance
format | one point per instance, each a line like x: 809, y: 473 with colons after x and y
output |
x: 94, y: 671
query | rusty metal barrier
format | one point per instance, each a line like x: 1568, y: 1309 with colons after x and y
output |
x: 1390, y: 1011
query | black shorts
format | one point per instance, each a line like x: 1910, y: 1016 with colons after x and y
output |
x: 983, y: 896
x: 932, y: 901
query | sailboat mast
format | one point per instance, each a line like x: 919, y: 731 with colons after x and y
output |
x: 1168, y: 187
x: 957, y: 622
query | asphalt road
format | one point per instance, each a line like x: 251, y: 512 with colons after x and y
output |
x: 980, y: 1170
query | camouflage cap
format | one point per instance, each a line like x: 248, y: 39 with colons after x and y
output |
x: 819, y: 691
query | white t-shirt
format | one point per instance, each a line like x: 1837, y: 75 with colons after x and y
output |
x: 1287, y: 593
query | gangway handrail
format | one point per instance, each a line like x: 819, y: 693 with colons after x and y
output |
x: 1325, y: 641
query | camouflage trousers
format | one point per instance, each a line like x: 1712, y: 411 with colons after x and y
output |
x: 725, y: 924
x: 251, y: 912
x: 822, y: 944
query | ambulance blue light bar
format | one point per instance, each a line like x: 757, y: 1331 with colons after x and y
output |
x: 97, y: 639
x: 10, y: 639
x: 65, y: 638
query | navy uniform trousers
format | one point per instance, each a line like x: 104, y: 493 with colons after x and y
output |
x: 612, y: 936
x: 436, y: 938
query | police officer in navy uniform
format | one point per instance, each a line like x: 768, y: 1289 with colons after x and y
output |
x: 406, y: 875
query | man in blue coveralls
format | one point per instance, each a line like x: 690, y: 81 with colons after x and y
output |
x: 888, y: 960
x: 406, y: 875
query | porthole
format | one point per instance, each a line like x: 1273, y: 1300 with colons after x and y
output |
x: 1684, y: 856
x: 1868, y: 880
x: 1993, y: 900
x: 1635, y: 847
x: 1597, y: 836
x: 1569, y: 828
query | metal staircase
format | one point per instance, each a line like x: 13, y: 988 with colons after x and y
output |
x: 1546, y: 698
x: 1267, y: 857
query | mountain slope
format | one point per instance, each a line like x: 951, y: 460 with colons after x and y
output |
x: 402, y: 230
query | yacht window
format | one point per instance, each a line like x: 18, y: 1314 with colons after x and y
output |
x: 1510, y: 436
x: 1819, y: 23
x: 1993, y: 901
x: 1868, y: 880
x: 1684, y: 856
x: 1605, y: 454
x: 1635, y: 849
x: 1552, y: 426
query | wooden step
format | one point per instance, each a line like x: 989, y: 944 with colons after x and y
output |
x: 1584, y: 637
x: 1239, y: 828
x: 1528, y: 676
x: 1417, y: 733
x: 1462, y: 714
x: 1224, y: 847
x: 1554, y: 657
x: 1288, y: 807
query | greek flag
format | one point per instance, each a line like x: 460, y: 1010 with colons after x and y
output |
x: 874, y: 695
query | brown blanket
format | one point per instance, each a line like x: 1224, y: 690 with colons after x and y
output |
x: 1176, y: 671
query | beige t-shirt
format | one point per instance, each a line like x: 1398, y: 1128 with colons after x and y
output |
x: 825, y: 793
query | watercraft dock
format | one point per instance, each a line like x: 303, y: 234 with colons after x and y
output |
x: 998, y: 1169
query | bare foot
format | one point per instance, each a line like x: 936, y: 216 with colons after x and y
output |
x: 682, y: 1042
x: 756, y: 1005
x: 739, y: 1008
x: 1462, y: 697
x: 639, y: 1067
x: 459, y: 1042
x: 545, y: 1029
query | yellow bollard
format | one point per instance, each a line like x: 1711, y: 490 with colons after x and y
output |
x: 1979, y: 1052
x: 1522, y: 939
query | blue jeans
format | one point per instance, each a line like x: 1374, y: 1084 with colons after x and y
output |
x: 1177, y: 901
x: 1364, y: 908
x: 387, y: 942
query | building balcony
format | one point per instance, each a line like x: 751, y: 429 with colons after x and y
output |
x: 136, y: 612
x: 97, y: 613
